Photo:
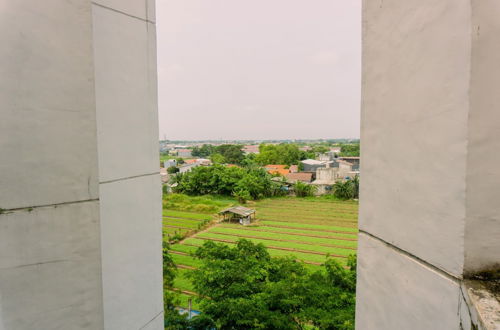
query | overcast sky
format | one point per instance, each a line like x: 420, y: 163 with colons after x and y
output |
x: 258, y: 69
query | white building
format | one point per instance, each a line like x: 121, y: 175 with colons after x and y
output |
x: 169, y: 163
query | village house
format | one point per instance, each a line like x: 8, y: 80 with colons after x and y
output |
x: 294, y: 168
x: 326, y: 177
x: 311, y: 165
x: 277, y: 169
x: 169, y: 163
x: 305, y: 177
x: 335, y: 150
x: 184, y: 153
x: 353, y: 160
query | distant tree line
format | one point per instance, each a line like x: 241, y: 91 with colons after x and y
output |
x: 243, y: 287
x: 285, y: 153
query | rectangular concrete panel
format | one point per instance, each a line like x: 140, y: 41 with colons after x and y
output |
x: 131, y: 231
x: 47, y: 127
x: 127, y: 115
x: 416, y: 70
x: 50, y: 270
x: 395, y: 292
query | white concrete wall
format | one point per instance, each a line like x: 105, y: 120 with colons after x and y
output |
x: 429, y: 91
x: 80, y: 207
x: 50, y: 265
x: 482, y: 234
x: 130, y: 186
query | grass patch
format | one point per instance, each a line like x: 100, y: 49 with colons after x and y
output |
x: 185, y: 260
x: 187, y: 215
x: 288, y: 245
x: 294, y: 231
x: 182, y: 282
x: 182, y: 223
x: 202, y: 204
x: 306, y: 225
x: 283, y: 236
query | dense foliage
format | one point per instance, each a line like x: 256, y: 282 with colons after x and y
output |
x: 349, y: 150
x: 173, y: 170
x: 288, y: 154
x: 243, y: 287
x: 244, y: 183
x: 169, y: 272
x: 226, y: 153
x: 302, y: 189
x: 348, y: 189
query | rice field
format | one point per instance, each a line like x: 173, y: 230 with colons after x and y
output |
x: 309, y: 230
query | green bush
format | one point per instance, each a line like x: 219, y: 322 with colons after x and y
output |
x: 347, y: 190
x: 245, y: 183
x: 303, y: 189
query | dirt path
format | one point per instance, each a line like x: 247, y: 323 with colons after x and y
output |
x: 186, y: 267
x: 209, y: 226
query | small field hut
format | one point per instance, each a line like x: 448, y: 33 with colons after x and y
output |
x: 238, y: 213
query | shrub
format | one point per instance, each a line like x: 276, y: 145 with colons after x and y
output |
x: 172, y: 170
x: 303, y: 189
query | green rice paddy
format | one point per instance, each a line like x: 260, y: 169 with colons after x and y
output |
x: 306, y: 229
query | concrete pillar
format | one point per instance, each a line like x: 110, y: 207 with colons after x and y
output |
x: 129, y: 179
x: 50, y: 258
x: 80, y: 212
x: 428, y: 214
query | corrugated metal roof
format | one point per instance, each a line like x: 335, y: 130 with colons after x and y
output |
x: 240, y: 210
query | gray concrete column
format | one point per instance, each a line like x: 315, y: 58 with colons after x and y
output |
x: 130, y: 185
x: 50, y: 259
x: 430, y: 136
x: 80, y: 197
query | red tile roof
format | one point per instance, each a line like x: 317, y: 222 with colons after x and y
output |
x: 277, y: 169
x: 300, y: 176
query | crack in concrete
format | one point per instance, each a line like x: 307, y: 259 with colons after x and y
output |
x: 450, y: 276
x: 36, y: 264
x: 31, y: 208
x: 129, y: 177
x: 124, y: 13
x: 150, y: 321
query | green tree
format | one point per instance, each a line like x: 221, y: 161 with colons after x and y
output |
x: 288, y: 154
x: 217, y: 158
x: 204, y: 151
x: 173, y: 170
x: 246, y: 183
x: 243, y: 287
x: 349, y: 150
x: 232, y: 153
x: 343, y: 190
x: 169, y: 272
